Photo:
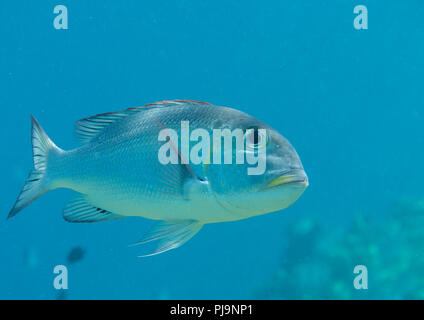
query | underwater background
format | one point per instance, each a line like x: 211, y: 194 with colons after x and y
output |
x: 350, y: 101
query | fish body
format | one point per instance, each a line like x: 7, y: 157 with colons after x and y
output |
x: 117, y: 173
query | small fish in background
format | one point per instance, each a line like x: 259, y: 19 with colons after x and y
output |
x: 117, y: 174
x: 75, y: 254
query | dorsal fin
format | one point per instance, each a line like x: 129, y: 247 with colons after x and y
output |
x: 88, y: 128
x: 177, y: 101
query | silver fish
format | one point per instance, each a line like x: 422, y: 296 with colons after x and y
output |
x: 117, y: 174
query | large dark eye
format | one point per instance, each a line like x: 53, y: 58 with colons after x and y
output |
x: 255, y: 138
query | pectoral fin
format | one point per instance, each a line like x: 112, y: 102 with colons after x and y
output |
x: 170, y: 234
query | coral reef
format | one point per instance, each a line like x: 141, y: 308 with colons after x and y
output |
x: 319, y: 261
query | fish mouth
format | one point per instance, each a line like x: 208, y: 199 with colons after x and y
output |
x: 296, y: 177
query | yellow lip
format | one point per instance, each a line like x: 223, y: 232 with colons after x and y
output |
x: 287, y: 179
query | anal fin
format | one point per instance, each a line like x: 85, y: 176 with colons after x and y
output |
x: 170, y: 234
x: 80, y: 210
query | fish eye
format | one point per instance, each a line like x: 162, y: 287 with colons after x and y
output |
x: 255, y: 138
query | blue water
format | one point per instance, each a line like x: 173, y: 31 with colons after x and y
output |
x: 350, y: 101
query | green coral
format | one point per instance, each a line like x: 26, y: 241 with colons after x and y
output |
x: 319, y: 261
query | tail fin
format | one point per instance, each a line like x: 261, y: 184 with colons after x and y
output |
x: 35, y: 185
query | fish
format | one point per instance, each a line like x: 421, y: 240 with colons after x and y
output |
x: 75, y: 254
x: 118, y: 170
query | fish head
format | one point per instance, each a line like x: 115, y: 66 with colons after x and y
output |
x: 272, y: 180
